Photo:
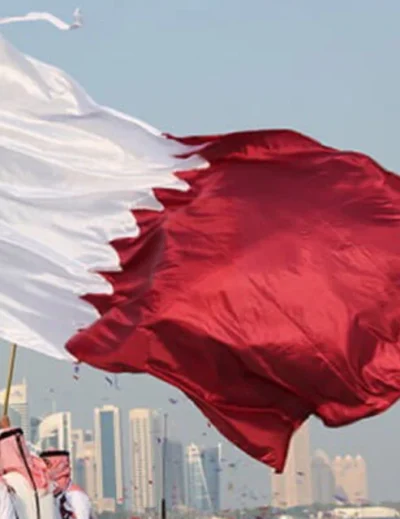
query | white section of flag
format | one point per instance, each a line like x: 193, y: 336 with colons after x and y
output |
x: 71, y: 171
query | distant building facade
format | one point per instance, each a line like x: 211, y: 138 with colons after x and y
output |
x: 294, y: 486
x: 18, y: 407
x: 351, y: 479
x: 55, y: 432
x: 203, y: 469
x: 323, y: 479
x: 34, y: 429
x: 175, y: 469
x: 83, y: 455
x: 89, y: 462
x: 145, y: 440
x: 108, y: 459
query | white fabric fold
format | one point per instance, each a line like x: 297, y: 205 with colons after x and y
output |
x: 71, y: 172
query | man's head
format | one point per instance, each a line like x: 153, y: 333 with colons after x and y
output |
x: 16, y: 458
x: 59, y: 468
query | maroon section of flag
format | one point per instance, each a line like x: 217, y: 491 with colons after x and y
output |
x: 267, y: 292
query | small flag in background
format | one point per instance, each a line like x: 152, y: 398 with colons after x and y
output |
x: 46, y: 17
x: 76, y: 372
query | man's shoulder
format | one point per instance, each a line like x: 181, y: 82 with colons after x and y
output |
x: 77, y: 498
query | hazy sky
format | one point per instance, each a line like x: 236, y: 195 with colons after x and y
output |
x: 329, y: 69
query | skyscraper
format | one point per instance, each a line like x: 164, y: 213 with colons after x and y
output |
x: 323, y: 479
x: 55, y: 431
x: 78, y: 440
x: 175, y: 470
x: 350, y: 479
x: 108, y: 458
x: 293, y: 487
x: 361, y: 475
x: 77, y: 455
x: 89, y: 463
x: 145, y: 440
x: 19, y: 409
x: 83, y: 455
x: 203, y: 478
x: 34, y: 429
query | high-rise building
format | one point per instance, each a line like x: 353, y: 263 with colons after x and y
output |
x: 361, y: 474
x: 18, y: 407
x: 77, y: 455
x: 211, y: 458
x: 78, y: 442
x: 294, y: 487
x: 145, y: 440
x: 350, y: 479
x: 34, y: 429
x: 203, y: 478
x: 323, y: 479
x: 55, y: 432
x: 79, y: 476
x: 108, y: 458
x: 340, y: 479
x: 83, y: 455
x: 175, y: 469
x: 89, y: 464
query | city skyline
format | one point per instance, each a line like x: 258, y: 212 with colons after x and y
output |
x: 58, y: 430
x: 97, y: 461
x: 193, y: 479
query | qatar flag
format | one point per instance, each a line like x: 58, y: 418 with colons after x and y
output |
x: 258, y: 272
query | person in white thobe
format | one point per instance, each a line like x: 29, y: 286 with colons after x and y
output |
x: 7, y: 510
x: 71, y: 501
x: 25, y: 491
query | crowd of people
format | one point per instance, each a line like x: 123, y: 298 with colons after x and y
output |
x: 37, y: 487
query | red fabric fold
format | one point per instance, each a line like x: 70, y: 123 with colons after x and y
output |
x: 267, y: 292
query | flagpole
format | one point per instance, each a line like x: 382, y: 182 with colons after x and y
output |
x: 164, y: 469
x: 11, y: 367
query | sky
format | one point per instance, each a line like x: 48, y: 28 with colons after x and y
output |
x: 328, y: 69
